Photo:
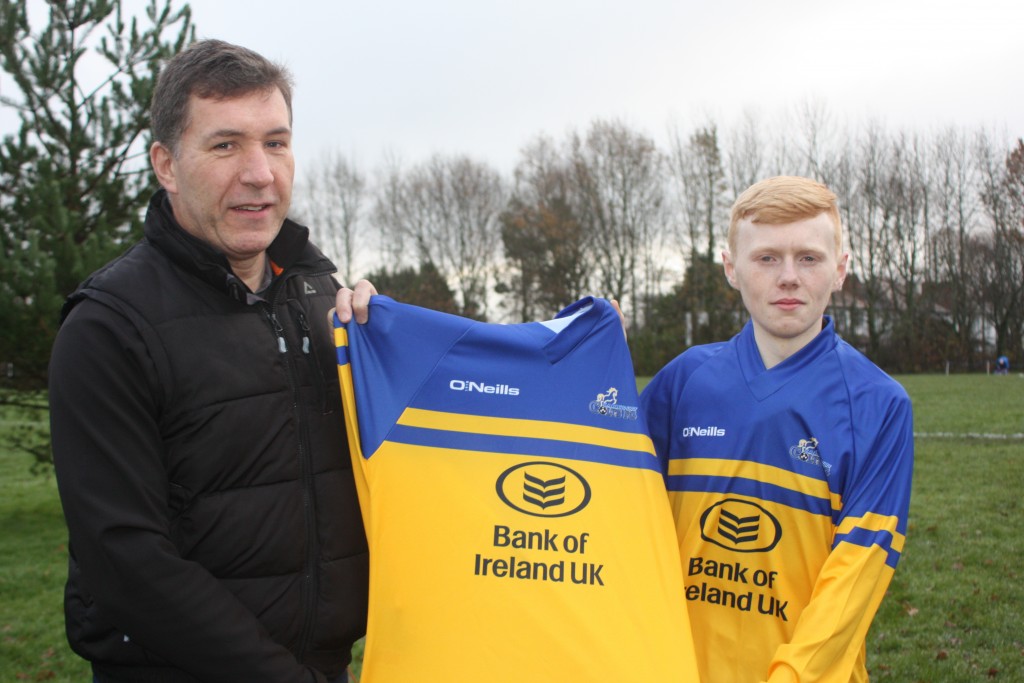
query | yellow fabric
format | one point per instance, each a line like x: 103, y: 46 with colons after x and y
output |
x: 735, y: 597
x: 465, y: 589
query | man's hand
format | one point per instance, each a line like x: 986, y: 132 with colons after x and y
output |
x: 355, y: 302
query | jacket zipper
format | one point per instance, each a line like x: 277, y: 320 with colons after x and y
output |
x: 310, y: 578
x: 319, y: 381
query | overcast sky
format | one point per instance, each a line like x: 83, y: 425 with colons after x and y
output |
x: 414, y: 77
x: 483, y: 78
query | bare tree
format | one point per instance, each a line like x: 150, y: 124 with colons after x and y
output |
x: 446, y: 211
x: 547, y: 261
x: 331, y: 204
x: 619, y: 197
x: 870, y: 212
x: 389, y: 215
x: 906, y: 191
x: 954, y: 263
x: 1002, y: 185
x: 699, y: 177
x: 815, y: 125
x: 745, y: 158
x: 1014, y: 188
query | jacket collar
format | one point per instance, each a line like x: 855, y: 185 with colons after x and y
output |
x: 291, y: 250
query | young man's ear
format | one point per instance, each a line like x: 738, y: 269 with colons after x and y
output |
x: 162, y: 160
x: 730, y: 269
x: 841, y: 269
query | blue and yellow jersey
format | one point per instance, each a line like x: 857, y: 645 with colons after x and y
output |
x: 790, y: 490
x: 518, y: 524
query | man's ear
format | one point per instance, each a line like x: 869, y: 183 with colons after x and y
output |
x: 841, y: 270
x: 162, y: 160
x: 730, y: 269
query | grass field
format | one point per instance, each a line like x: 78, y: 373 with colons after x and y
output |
x: 33, y: 565
x: 952, y: 613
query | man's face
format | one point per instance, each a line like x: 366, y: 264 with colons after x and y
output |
x: 786, y: 275
x: 230, y: 183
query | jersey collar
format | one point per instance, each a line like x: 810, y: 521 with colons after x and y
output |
x: 563, y: 343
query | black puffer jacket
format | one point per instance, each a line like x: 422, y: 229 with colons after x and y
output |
x: 200, y: 453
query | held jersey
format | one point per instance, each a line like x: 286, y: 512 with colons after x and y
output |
x: 518, y: 524
x: 790, y: 490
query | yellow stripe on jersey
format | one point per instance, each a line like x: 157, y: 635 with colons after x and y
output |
x: 747, y: 469
x: 535, y: 429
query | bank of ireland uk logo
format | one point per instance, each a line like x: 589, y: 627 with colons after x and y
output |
x: 607, y: 403
x: 806, y: 450
x: 740, y: 526
x: 543, y: 489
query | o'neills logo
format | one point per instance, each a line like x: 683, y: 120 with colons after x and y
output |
x: 543, y: 489
x: 710, y: 430
x: 480, y: 387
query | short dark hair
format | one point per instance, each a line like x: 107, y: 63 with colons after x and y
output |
x: 210, y: 69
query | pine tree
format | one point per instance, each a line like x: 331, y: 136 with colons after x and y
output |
x: 74, y: 178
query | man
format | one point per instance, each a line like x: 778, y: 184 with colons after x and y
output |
x: 214, y: 529
x: 787, y: 455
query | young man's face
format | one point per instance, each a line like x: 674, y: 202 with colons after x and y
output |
x: 230, y: 182
x: 786, y: 275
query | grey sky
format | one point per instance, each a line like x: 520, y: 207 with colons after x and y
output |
x: 410, y: 78
x: 483, y: 78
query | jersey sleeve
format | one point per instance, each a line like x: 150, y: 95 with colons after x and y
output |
x: 390, y: 356
x: 867, y: 544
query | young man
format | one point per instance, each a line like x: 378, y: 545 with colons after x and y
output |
x: 787, y: 455
x: 214, y: 529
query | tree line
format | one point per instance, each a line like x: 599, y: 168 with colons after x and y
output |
x: 934, y: 223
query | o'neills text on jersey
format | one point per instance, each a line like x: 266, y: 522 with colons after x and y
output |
x: 469, y: 385
x: 710, y: 430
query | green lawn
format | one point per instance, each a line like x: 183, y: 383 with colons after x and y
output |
x: 952, y: 613
x: 953, y: 610
x: 33, y: 565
